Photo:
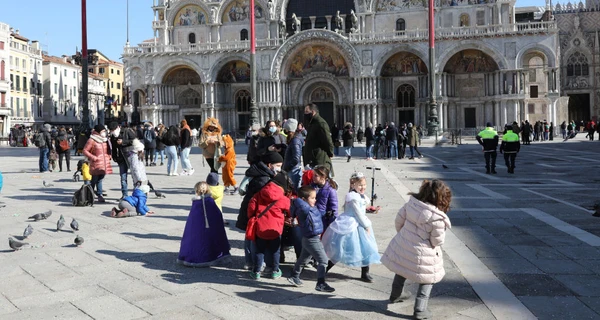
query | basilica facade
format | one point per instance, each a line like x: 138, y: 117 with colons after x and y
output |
x: 363, y: 61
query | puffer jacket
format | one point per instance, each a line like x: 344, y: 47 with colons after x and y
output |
x: 260, y: 174
x: 96, y: 150
x: 415, y: 252
x: 270, y: 224
x: 310, y: 219
x: 293, y: 154
x: 138, y: 199
x: 327, y: 201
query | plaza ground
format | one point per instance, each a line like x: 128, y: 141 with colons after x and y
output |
x: 522, y: 246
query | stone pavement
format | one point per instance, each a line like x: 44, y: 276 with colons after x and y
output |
x: 521, y: 246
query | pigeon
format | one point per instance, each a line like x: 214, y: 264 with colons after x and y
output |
x: 48, y: 185
x: 60, y: 223
x: 444, y: 166
x: 159, y: 194
x: 78, y: 241
x: 16, y: 244
x: 75, y: 225
x: 47, y: 214
x: 28, y: 231
x: 41, y: 216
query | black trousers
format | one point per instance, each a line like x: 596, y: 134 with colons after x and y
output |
x: 490, y: 157
x: 509, y: 159
x: 211, y: 164
x: 150, y: 154
x: 67, y: 155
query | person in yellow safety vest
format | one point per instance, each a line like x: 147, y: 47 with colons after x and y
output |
x: 511, y: 146
x: 488, y: 138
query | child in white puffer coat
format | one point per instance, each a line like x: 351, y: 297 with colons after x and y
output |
x: 415, y: 252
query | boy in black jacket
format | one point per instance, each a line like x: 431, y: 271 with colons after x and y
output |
x: 120, y: 139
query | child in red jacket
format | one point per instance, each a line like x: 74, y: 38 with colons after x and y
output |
x: 270, y: 206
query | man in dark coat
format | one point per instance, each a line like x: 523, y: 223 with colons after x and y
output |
x: 391, y: 136
x: 318, y: 147
x: 121, y: 138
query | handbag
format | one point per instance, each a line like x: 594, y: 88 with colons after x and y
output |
x: 251, y: 228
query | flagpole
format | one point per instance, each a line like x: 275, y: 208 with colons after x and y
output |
x: 85, y: 118
x: 253, y: 100
x: 432, y: 124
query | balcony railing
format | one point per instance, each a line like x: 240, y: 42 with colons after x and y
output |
x: 358, y: 38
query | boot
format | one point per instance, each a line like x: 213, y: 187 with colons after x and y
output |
x: 494, y: 171
x: 487, y: 170
x: 364, y: 275
x: 329, y: 266
x: 349, y: 158
x: 421, y: 310
x: 399, y: 292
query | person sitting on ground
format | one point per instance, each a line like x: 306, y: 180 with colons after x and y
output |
x: 204, y: 242
x: 133, y: 205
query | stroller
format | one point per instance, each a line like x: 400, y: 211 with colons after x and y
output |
x: 76, y: 176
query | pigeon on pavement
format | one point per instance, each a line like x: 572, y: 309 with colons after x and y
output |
x: 60, y: 223
x: 444, y: 166
x: 28, y: 231
x: 78, y: 241
x: 75, y: 225
x: 159, y: 194
x: 41, y: 216
x: 48, y: 185
x: 15, y: 244
x: 47, y: 214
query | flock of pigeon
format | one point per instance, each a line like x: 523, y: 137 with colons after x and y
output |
x: 18, y: 245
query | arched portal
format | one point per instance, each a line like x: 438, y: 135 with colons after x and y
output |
x: 403, y: 64
x: 181, y: 75
x: 234, y: 72
x: 317, y: 58
x: 406, y: 103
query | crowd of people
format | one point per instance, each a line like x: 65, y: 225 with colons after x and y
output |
x: 289, y: 196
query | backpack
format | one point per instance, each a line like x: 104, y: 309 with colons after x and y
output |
x: 244, y: 185
x: 64, y: 145
x: 147, y: 136
x: 84, y: 196
x: 39, y: 140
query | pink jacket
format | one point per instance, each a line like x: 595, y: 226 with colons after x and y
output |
x: 415, y: 252
x: 96, y: 149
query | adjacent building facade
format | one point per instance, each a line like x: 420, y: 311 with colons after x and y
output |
x: 61, y: 90
x: 25, y: 71
x: 5, y: 107
x: 361, y: 61
x: 113, y: 74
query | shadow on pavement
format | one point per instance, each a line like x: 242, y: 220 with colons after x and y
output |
x: 151, y: 236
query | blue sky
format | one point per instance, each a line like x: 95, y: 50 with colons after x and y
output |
x: 57, y: 23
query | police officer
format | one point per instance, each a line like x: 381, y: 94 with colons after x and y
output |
x: 511, y: 146
x: 488, y: 138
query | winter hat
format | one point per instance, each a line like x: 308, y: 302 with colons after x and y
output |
x: 271, y: 157
x: 98, y: 128
x: 489, y: 124
x: 212, y: 179
x: 290, y: 125
x: 48, y: 126
x: 145, y: 188
x: 113, y: 125
x: 255, y: 127
x: 282, y: 180
x: 410, y: 124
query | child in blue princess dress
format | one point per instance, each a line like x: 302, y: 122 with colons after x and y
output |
x: 350, y: 239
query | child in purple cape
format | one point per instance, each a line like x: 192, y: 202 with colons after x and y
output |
x: 204, y: 242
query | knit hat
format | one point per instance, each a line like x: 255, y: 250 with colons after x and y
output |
x: 48, y: 126
x: 410, y: 124
x: 282, y: 179
x: 145, y: 188
x: 489, y: 124
x: 290, y: 125
x: 98, y: 128
x: 271, y: 157
x: 113, y: 125
x: 212, y: 179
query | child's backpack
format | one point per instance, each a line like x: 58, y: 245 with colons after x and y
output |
x: 79, y: 165
x: 84, y: 196
x: 147, y: 137
x: 39, y: 140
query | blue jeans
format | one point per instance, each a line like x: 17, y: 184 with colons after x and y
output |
x: 123, y: 167
x: 266, y: 246
x: 370, y: 151
x: 348, y: 151
x: 249, y: 253
x: 185, y: 159
x: 172, y: 161
x: 44, y: 152
x: 393, y: 149
x: 161, y: 153
x: 97, y: 183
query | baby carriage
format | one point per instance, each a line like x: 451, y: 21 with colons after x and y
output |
x: 76, y: 176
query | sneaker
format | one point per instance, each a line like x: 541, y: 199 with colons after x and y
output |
x: 421, y: 315
x: 183, y: 173
x: 255, y: 275
x: 162, y: 164
x: 421, y: 157
x: 324, y: 287
x: 101, y: 199
x: 247, y: 267
x: 234, y: 190
x: 174, y: 174
x: 169, y: 174
x: 191, y: 172
x: 295, y: 281
x: 276, y: 274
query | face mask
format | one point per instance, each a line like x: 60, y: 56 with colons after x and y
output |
x: 308, y: 117
x: 277, y: 169
x: 116, y: 132
x: 272, y: 129
x: 103, y: 134
x: 254, y: 133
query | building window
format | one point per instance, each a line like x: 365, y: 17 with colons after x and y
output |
x: 12, y: 83
x: 91, y: 70
x: 118, y: 98
x: 65, y: 72
x: 577, y: 65
x: 192, y: 38
x: 101, y: 70
x: 65, y: 90
x: 10, y: 60
x: 25, y: 111
x: 17, y: 63
x: 112, y: 71
x: 533, y: 91
x: 24, y: 63
x: 74, y: 75
x: 55, y: 88
x: 18, y: 107
x: 118, y: 72
x: 1, y: 45
x: 24, y: 84
x: 55, y: 70
x: 18, y: 82
x: 464, y: 20
x: 242, y: 101
x: 74, y: 91
x: 244, y: 34
x: 118, y: 85
x: 405, y: 96
x: 112, y: 84
x: 400, y: 25
x: 480, y: 18
x: 2, y: 67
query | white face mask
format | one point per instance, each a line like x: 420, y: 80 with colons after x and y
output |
x: 277, y: 169
x: 103, y: 134
x: 116, y: 132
